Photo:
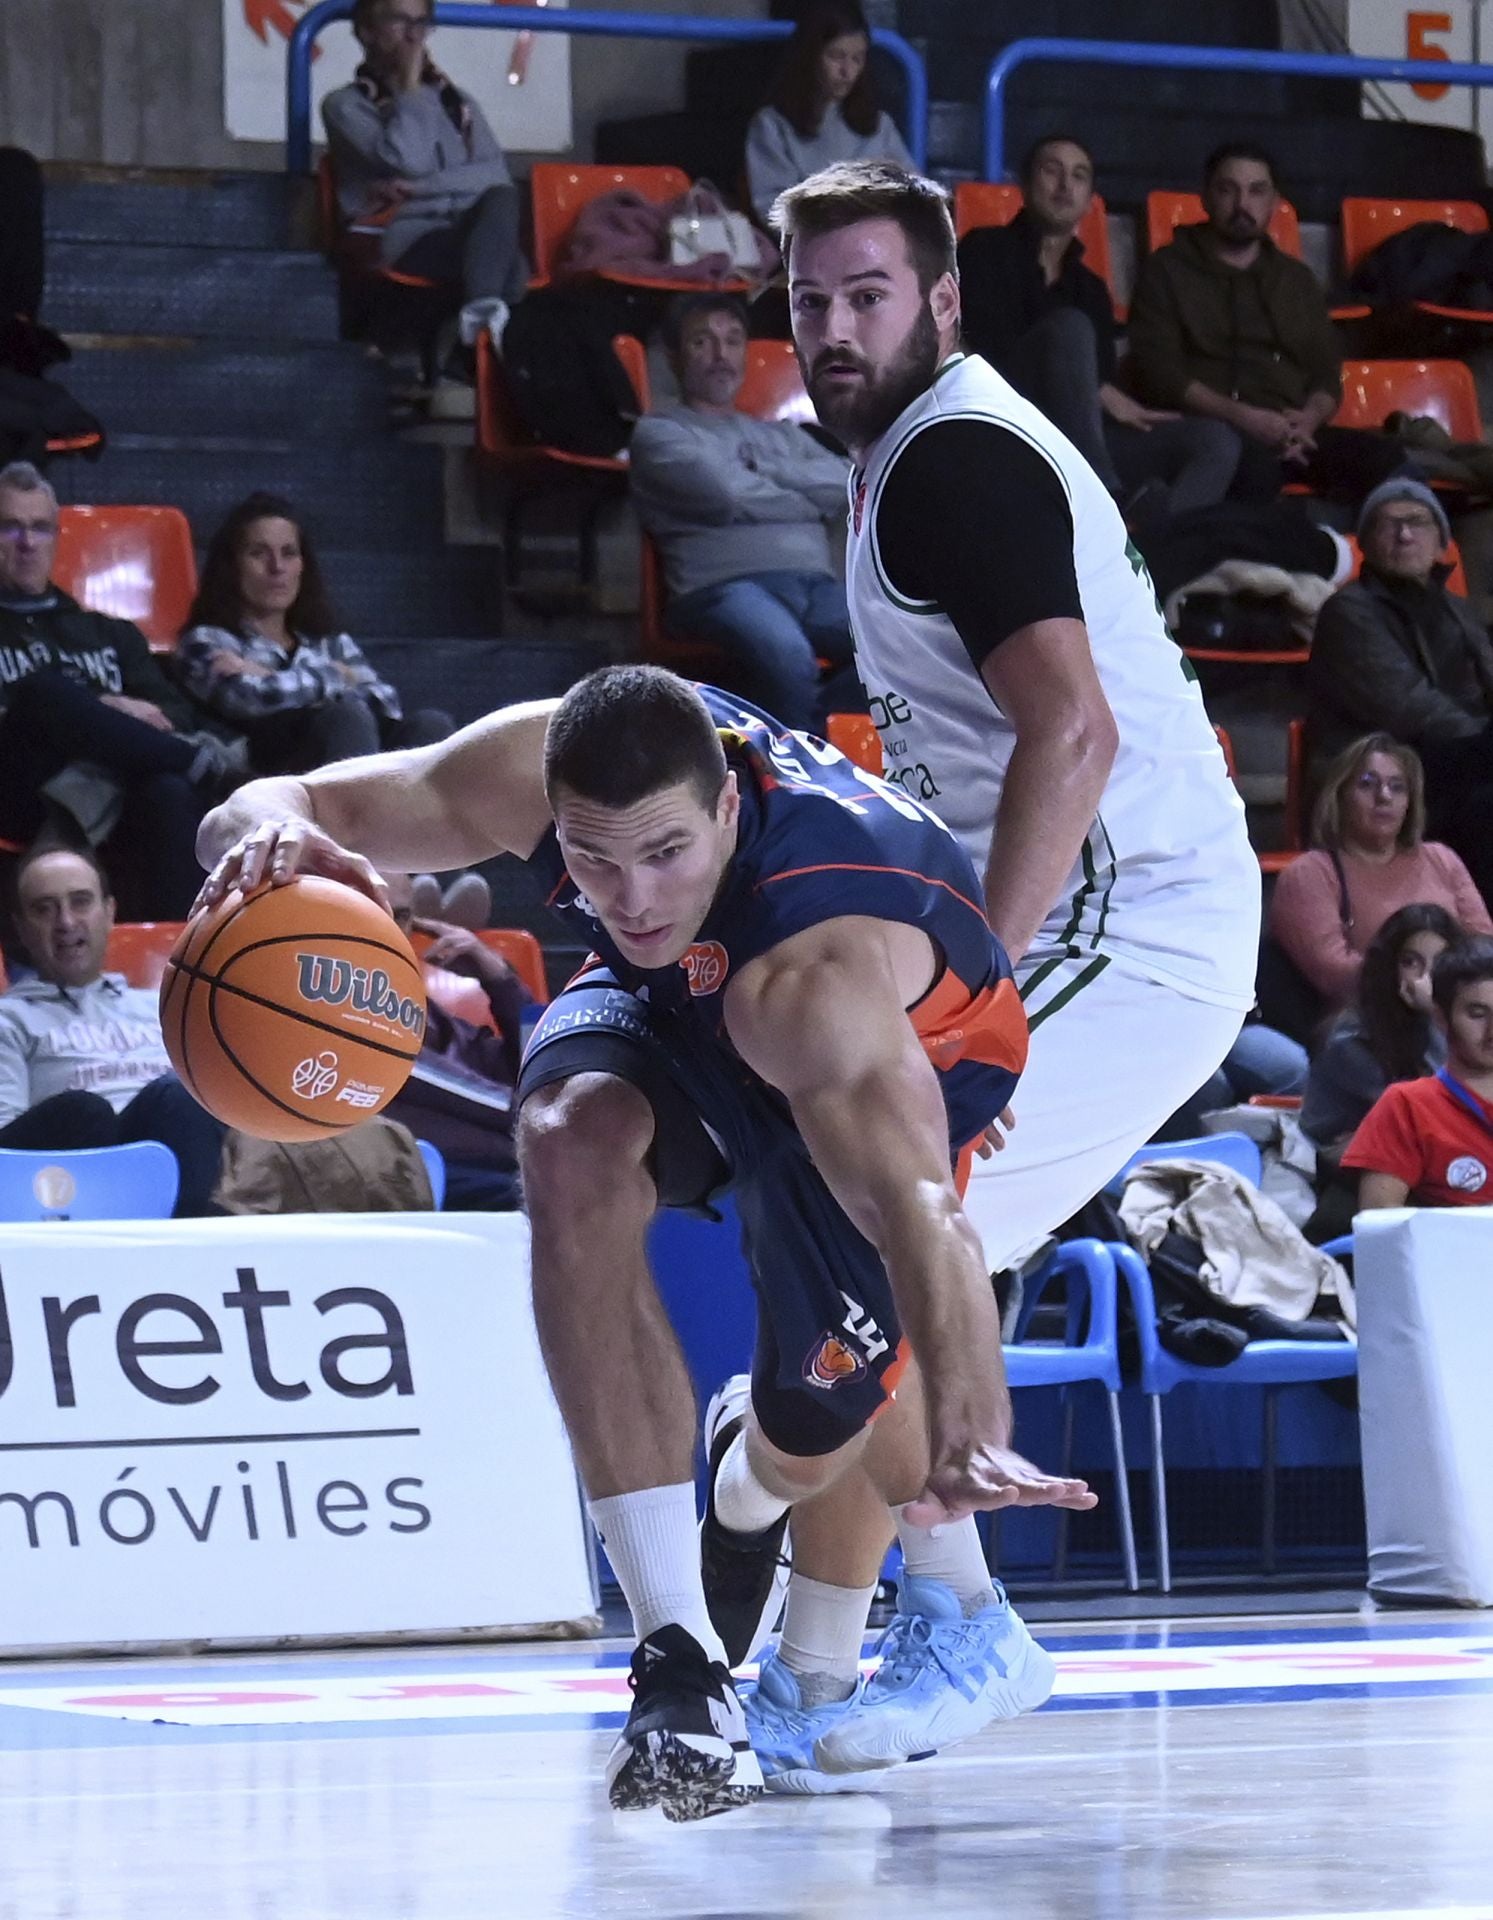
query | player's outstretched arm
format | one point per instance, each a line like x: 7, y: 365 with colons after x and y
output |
x: 821, y: 1018
x: 464, y: 799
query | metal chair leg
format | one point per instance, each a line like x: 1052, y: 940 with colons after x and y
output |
x: 1158, y: 1496
x: 1122, y: 1497
x: 1060, y: 1548
x: 1268, y: 1491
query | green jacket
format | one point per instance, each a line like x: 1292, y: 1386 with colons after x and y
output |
x: 1259, y: 334
x: 109, y: 655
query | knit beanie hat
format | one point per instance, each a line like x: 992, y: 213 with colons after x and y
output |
x: 1403, y: 487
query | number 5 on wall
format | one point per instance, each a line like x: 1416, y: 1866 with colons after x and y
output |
x: 1419, y: 46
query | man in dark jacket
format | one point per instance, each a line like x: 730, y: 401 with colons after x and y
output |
x: 1039, y: 314
x: 90, y: 726
x: 1225, y: 325
x: 1394, y: 652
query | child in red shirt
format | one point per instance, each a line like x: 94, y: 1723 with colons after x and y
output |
x: 1429, y: 1143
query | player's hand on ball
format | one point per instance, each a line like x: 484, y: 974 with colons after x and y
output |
x: 977, y: 1479
x: 277, y: 851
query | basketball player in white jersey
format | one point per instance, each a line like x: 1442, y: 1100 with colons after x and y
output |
x: 1026, y: 688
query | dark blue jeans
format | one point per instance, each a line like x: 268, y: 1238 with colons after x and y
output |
x: 162, y: 1110
x: 775, y: 629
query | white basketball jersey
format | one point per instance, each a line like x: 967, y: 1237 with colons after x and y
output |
x: 1167, y: 883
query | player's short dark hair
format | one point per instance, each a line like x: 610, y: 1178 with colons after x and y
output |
x: 854, y: 190
x: 1240, y: 150
x: 686, y: 307
x: 365, y: 12
x: 1039, y: 146
x: 1467, y: 964
x: 623, y: 733
x: 43, y: 850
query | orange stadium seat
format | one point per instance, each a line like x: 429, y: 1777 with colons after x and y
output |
x: 134, y: 562
x: 994, y: 203
x: 856, y: 736
x: 1444, y: 389
x: 139, y: 950
x: 462, y: 997
x: 559, y: 190
x: 1167, y: 210
x: 1295, y: 798
x: 1366, y: 222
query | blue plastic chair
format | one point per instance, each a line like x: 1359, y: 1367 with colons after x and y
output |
x: 134, y: 1182
x: 435, y: 1166
x: 1090, y: 1350
x: 1270, y: 1364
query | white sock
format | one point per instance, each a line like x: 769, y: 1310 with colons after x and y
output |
x: 822, y: 1632
x: 652, y: 1540
x: 742, y: 1503
x: 952, y: 1554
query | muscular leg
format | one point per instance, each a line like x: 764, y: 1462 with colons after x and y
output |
x: 583, y: 1148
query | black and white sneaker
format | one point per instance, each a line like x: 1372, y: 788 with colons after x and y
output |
x: 685, y: 1747
x: 745, y: 1574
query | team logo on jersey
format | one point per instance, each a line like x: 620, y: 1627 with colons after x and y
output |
x: 1466, y: 1174
x: 831, y: 1363
x: 707, y: 963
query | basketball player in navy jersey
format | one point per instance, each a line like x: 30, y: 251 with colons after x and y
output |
x: 795, y: 991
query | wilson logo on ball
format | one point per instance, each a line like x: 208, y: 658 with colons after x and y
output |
x: 313, y: 1078
x: 338, y: 983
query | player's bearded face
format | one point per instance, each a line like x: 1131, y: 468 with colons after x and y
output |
x: 651, y: 871
x: 860, y: 409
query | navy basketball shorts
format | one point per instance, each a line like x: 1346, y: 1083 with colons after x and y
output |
x: 828, y: 1341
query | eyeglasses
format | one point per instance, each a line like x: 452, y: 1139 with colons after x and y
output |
x: 1396, y: 788
x: 14, y: 530
x: 1406, y: 523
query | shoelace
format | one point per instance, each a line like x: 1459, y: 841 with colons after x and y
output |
x: 912, y: 1639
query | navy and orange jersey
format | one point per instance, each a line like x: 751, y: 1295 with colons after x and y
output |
x: 820, y: 839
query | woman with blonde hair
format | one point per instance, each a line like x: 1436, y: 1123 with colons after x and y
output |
x: 1371, y: 859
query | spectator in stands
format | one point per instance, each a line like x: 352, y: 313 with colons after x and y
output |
x: 1225, y: 325
x: 1034, y: 310
x: 1389, y: 1034
x: 1394, y: 650
x: 1371, y: 859
x: 82, y: 1062
x: 822, y: 108
x: 262, y: 653
x: 95, y: 741
x: 459, y: 1096
x: 1429, y: 1142
x: 739, y: 510
x: 414, y: 157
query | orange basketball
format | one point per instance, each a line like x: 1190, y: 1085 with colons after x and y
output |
x: 294, y: 1012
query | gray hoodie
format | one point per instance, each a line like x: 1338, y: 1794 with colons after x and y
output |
x: 104, y: 1038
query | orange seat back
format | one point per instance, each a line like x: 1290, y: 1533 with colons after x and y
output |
x: 856, y: 737
x: 773, y: 388
x: 995, y: 203
x: 139, y: 950
x: 1444, y: 389
x: 524, y: 954
x: 559, y: 191
x: 1366, y: 222
x: 1166, y: 211
x: 134, y: 562
x: 1228, y: 752
x: 1456, y: 581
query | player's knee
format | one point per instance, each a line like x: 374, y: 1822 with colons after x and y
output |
x: 584, y: 1137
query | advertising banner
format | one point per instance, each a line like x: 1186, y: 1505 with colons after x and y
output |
x: 246, y: 1429
x: 520, y: 80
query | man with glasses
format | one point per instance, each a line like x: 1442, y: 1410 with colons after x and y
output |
x: 96, y: 744
x: 418, y: 165
x: 1396, y: 652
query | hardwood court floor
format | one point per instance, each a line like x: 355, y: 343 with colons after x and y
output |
x: 1327, y: 1766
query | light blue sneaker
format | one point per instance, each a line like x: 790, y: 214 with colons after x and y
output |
x: 783, y: 1731
x: 941, y: 1679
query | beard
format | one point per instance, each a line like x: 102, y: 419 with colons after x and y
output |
x: 859, y: 415
x: 1240, y: 227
